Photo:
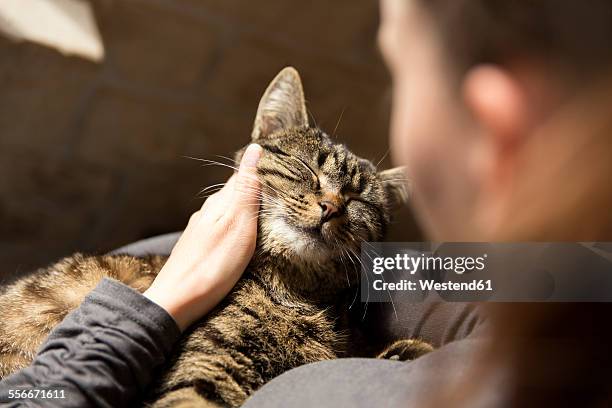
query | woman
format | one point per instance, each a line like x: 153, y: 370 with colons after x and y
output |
x: 501, y: 115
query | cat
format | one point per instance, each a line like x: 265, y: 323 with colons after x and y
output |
x: 319, y: 203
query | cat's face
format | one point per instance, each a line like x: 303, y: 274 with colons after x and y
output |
x: 319, y: 200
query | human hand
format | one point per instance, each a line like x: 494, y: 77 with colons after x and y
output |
x: 214, y: 249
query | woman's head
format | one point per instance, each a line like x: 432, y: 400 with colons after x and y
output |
x: 501, y: 115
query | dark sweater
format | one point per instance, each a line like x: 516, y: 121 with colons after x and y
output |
x: 103, y: 354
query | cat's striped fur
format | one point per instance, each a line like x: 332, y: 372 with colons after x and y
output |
x: 288, y: 309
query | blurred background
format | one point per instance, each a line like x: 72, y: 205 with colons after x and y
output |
x: 94, y: 126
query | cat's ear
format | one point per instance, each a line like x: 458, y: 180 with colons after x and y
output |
x: 281, y: 106
x: 396, y: 186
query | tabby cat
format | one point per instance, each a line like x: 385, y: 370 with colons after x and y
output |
x: 319, y: 203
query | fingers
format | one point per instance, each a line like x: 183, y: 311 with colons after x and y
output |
x: 240, y: 195
x: 216, y: 205
x: 228, y: 189
x: 245, y: 199
x: 222, y: 194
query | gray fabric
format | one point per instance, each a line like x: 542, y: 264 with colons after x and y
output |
x: 159, y: 245
x: 432, y: 320
x: 368, y: 383
x: 103, y: 354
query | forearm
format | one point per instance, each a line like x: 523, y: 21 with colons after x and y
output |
x: 103, y: 354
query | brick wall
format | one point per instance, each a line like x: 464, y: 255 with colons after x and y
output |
x: 91, y: 155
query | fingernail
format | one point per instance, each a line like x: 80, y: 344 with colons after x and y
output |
x: 251, y: 155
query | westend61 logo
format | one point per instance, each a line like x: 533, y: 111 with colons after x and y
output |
x: 486, y: 271
x: 435, y: 271
x: 412, y: 264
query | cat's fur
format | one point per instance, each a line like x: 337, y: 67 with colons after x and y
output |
x: 288, y: 309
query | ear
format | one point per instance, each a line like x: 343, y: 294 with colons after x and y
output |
x: 282, y: 105
x: 501, y: 105
x: 396, y: 186
x: 497, y: 100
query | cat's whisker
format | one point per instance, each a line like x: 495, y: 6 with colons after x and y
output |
x: 343, y: 262
x: 357, y: 287
x: 208, y: 162
x: 338, y: 122
x: 349, y: 252
x: 337, y: 245
x: 255, y: 217
x: 267, y: 184
x: 268, y: 199
x: 374, y: 250
x: 267, y: 213
x: 210, y: 194
x: 205, y: 189
x: 265, y: 198
x: 211, y: 190
x: 207, y: 196
x: 403, y: 179
x: 231, y: 160
x: 312, y: 117
x: 383, y: 158
x: 271, y: 212
x: 261, y: 193
x: 381, y: 276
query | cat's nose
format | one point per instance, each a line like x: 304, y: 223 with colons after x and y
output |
x: 329, y: 210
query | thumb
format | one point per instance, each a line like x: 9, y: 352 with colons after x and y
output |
x: 246, y: 186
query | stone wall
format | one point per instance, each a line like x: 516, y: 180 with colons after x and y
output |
x: 92, y: 155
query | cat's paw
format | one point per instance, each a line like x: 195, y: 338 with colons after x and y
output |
x: 406, y: 350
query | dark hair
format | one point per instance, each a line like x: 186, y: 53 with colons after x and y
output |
x: 573, y: 36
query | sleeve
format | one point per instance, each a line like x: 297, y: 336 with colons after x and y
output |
x: 103, y: 354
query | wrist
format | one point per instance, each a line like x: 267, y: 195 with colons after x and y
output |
x: 169, y: 303
x: 184, y: 303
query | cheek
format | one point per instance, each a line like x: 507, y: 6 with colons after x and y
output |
x: 415, y: 128
x: 430, y: 137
